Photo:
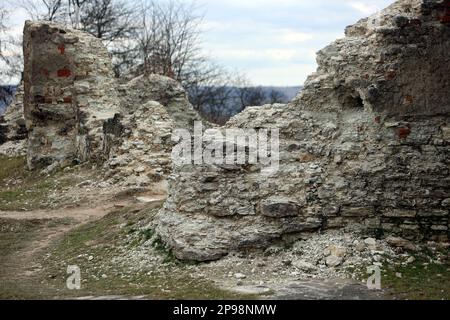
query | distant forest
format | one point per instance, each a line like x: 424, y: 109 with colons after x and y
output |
x: 6, y: 97
x: 238, y: 98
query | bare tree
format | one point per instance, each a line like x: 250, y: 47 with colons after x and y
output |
x: 276, y: 96
x: 168, y: 42
x: 109, y: 20
x: 248, y: 95
x: 49, y: 10
x: 252, y: 96
x: 212, y: 92
x: 75, y: 7
x: 113, y: 21
x: 10, y: 51
x: 10, y: 61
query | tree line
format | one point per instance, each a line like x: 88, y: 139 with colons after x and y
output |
x: 150, y: 37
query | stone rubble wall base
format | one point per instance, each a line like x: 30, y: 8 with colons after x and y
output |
x: 365, y: 146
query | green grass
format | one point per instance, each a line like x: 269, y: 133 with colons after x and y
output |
x: 14, y: 167
x: 101, y: 239
x: 170, y: 280
x: 21, y: 189
x: 14, y: 234
x: 420, y: 280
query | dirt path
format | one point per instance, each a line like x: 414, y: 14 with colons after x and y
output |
x: 18, y: 269
x: 81, y: 214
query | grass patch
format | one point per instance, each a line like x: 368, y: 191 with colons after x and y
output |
x: 21, y: 189
x: 420, y: 280
x: 15, y: 236
x: 93, y: 247
x: 14, y: 167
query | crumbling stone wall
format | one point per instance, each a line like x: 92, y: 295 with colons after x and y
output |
x: 143, y: 155
x: 69, y: 94
x: 75, y: 110
x: 152, y: 106
x: 13, y: 130
x: 163, y: 90
x: 365, y: 146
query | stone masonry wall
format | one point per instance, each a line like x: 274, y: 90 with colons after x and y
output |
x: 152, y: 106
x: 69, y: 94
x: 165, y: 91
x: 365, y: 146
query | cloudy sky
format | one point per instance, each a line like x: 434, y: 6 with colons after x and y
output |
x: 272, y: 41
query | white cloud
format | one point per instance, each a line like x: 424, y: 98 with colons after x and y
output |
x: 270, y: 55
x: 294, y: 37
x: 261, y: 3
x: 281, y: 76
x: 274, y: 54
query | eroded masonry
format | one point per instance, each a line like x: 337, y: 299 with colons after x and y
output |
x: 365, y: 146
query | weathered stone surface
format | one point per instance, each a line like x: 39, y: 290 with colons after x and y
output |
x: 401, y: 243
x: 13, y: 131
x: 333, y: 261
x: 142, y: 154
x: 152, y: 106
x: 163, y: 90
x: 69, y: 94
x: 366, y: 137
x: 76, y: 112
x: 279, y: 208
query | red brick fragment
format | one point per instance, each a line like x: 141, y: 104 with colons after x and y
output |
x: 403, y: 133
x: 390, y: 75
x: 67, y: 99
x: 445, y: 16
x: 409, y: 99
x: 62, y: 48
x: 64, y: 73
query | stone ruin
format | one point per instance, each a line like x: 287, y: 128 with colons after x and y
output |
x: 69, y: 95
x: 70, y: 109
x: 365, y: 146
x: 13, y: 130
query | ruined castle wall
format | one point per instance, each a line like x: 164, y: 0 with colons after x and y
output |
x: 69, y: 94
x: 365, y: 146
x: 152, y: 106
